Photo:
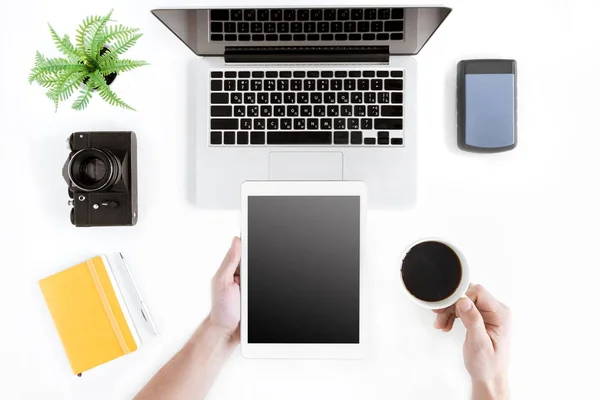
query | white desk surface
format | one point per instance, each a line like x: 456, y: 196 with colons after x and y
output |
x: 525, y: 219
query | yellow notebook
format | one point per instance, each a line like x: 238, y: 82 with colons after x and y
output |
x: 90, y: 314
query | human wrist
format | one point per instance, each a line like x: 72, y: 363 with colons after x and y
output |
x: 491, y: 389
x: 224, y: 333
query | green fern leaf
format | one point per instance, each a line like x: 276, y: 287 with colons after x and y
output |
x: 97, y: 80
x: 97, y: 36
x: 118, y: 32
x: 82, y: 36
x: 85, y: 95
x: 65, y: 86
x: 64, y: 45
x: 54, y: 66
x: 47, y: 81
x: 116, y: 66
x: 121, y: 47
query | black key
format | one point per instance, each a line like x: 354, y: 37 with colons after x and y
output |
x: 350, y: 84
x: 224, y: 123
x: 244, y: 74
x: 246, y: 123
x: 296, y: 84
x: 373, y: 111
x: 312, y: 37
x: 340, y: 137
x: 299, y: 138
x: 363, y: 84
x: 316, y: 15
x: 276, y: 98
x: 299, y: 123
x: 285, y: 74
x: 216, y: 27
x: 316, y: 97
x: 393, y: 84
x: 286, y: 123
x: 350, y: 27
x: 384, y: 13
x: 270, y: 84
x: 219, y: 98
x: 376, y: 84
x: 310, y: 84
x: 300, y: 38
x: 343, y: 97
x: 312, y: 123
x: 243, y: 27
x: 354, y: 36
x: 360, y: 111
x: 236, y: 98
x: 266, y: 111
x: 231, y: 38
x: 356, y: 97
x: 302, y: 98
x: 326, y: 123
x: 366, y: 124
x: 364, y: 27
x: 257, y: 137
x: 229, y: 84
x: 242, y: 137
x: 270, y: 27
x: 326, y: 37
x: 283, y: 85
x: 383, y: 97
x: 216, y: 85
x: 289, y: 98
x: 312, y: 74
x: 368, y: 36
x: 337, y: 27
x: 272, y: 38
x: 229, y: 137
x: 346, y: 111
x: 283, y: 27
x: 273, y: 124
x: 259, y: 123
x: 353, y: 123
x: 323, y: 27
x: 356, y: 137
x: 292, y: 111
x: 376, y: 26
x: 388, y: 123
x: 237, y: 15
x: 305, y: 111
x: 370, y: 13
x: 244, y: 38
x: 397, y: 36
x: 276, y: 15
x: 263, y: 14
x: 249, y: 15
x: 343, y: 14
x: 382, y: 74
x: 239, y: 111
x: 279, y: 111
x: 391, y: 111
x: 356, y: 14
x: 285, y: 38
x: 354, y: 74
x: 319, y: 111
x: 310, y: 27
x: 230, y: 74
x: 299, y: 74
x: 256, y: 85
x: 323, y: 85
x: 370, y: 97
x: 333, y: 111
x: 339, y: 123
x: 271, y: 74
x: 341, y: 74
x: 370, y: 141
x: 336, y: 84
x: 219, y: 15
x: 397, y: 13
x: 383, y: 135
x: 216, y: 37
x: 289, y: 14
x: 243, y: 84
x: 329, y: 97
x: 393, y: 26
x: 397, y: 98
x: 397, y: 74
x: 369, y: 74
x: 256, y: 27
x: 326, y: 74
x: 215, y: 138
x: 303, y: 15
x: 341, y: 36
x: 252, y: 111
x: 397, y: 141
x: 330, y: 14
x: 383, y: 36
x: 258, y: 38
x: 230, y: 27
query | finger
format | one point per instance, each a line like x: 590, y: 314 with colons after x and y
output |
x: 473, y: 321
x: 232, y: 260
x: 445, y: 320
x: 449, y: 323
x: 491, y: 309
x: 441, y: 310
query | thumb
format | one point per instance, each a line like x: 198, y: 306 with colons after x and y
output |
x: 473, y: 321
x: 231, y: 261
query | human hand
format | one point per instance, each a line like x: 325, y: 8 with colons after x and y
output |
x: 486, y: 348
x: 225, y: 311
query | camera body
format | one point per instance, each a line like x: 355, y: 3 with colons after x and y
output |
x: 101, y: 172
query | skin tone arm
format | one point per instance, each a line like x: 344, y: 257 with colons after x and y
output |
x: 486, y: 348
x: 192, y: 371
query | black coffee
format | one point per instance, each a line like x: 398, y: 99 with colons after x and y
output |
x: 431, y: 271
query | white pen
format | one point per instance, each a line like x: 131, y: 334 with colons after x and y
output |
x: 144, y: 309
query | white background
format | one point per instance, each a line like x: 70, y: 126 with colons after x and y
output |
x: 526, y: 220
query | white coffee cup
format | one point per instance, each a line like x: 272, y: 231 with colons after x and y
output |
x: 460, y: 290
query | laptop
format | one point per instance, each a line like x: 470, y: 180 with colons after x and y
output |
x: 305, y: 94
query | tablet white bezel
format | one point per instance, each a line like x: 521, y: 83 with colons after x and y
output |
x: 309, y: 350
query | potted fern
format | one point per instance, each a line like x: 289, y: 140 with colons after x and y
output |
x: 90, y: 65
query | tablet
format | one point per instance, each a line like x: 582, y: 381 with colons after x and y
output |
x: 302, y: 269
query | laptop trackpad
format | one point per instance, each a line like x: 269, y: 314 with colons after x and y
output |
x: 305, y: 166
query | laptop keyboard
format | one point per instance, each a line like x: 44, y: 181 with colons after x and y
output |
x: 307, y: 107
x: 316, y: 24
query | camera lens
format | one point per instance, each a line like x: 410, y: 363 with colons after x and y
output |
x: 93, y: 170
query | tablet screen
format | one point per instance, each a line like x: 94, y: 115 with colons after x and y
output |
x: 303, y: 269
